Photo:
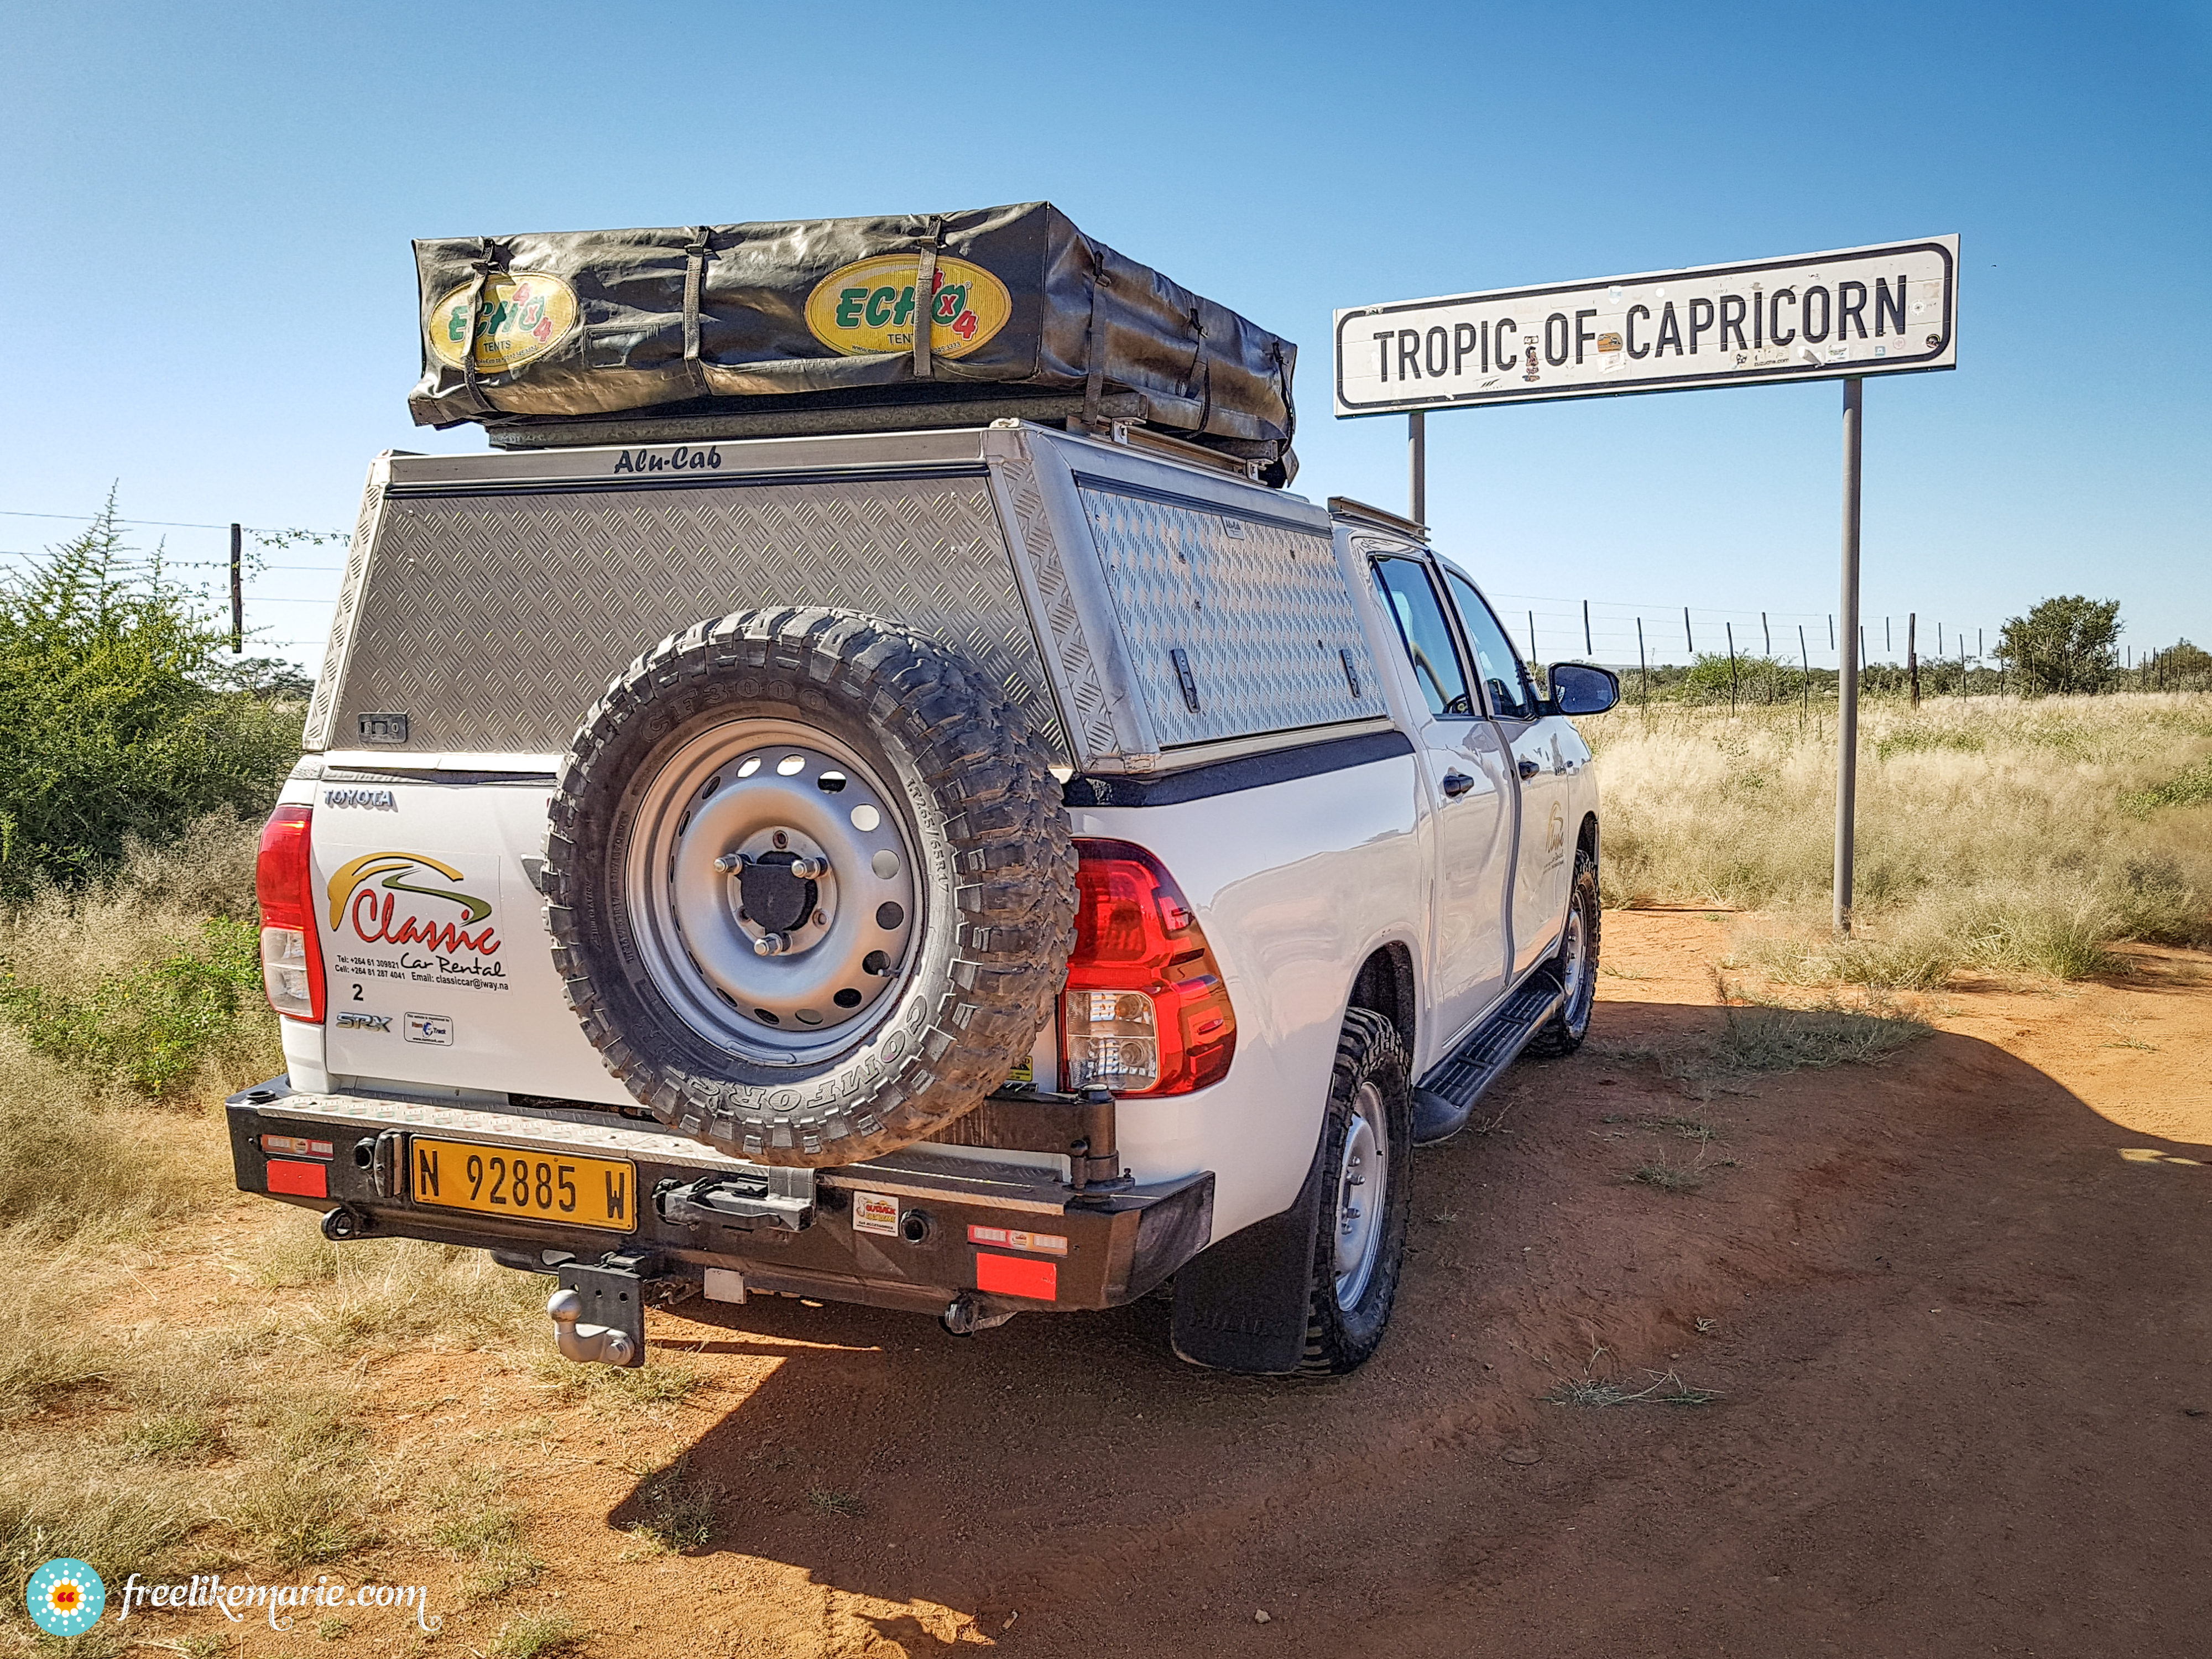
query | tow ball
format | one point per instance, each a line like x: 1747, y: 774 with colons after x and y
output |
x: 599, y: 1312
x: 587, y: 1343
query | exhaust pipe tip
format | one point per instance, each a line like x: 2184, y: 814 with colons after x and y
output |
x: 341, y: 1224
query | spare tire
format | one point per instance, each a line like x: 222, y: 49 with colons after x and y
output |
x: 810, y: 884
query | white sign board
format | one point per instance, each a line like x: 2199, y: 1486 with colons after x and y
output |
x: 1856, y: 311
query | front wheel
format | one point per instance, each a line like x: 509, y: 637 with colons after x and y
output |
x: 1366, y: 1155
x: 1576, y: 965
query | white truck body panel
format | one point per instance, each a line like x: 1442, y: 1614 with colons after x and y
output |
x: 1295, y: 883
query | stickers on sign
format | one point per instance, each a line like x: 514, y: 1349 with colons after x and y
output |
x: 521, y: 316
x: 875, y: 1212
x: 868, y: 306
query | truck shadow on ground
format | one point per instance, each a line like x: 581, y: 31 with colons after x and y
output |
x: 1890, y: 1279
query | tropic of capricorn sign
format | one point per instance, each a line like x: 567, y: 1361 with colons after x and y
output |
x: 1848, y: 314
x: 1860, y: 310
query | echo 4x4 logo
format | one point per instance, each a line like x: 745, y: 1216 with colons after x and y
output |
x: 367, y: 893
x: 868, y: 306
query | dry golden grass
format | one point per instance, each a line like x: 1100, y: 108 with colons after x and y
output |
x: 1993, y: 835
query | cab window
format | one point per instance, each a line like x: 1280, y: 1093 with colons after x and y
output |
x: 1411, y: 598
x: 1511, y: 696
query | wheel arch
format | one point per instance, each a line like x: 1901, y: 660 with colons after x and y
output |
x: 1385, y: 985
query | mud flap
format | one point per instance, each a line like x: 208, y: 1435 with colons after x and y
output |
x: 1241, y: 1305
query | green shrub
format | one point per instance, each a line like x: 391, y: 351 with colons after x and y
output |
x: 114, y: 717
x: 150, y: 1027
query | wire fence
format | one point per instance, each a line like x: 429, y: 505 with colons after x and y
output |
x: 1620, y: 634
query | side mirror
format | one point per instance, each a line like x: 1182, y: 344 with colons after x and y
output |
x: 1579, y: 687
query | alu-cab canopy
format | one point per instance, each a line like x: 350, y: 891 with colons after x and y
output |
x: 810, y: 325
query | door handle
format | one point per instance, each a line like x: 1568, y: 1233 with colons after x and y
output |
x: 1456, y: 784
x: 1528, y: 768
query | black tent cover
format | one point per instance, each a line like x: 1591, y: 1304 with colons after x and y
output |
x: 809, y: 325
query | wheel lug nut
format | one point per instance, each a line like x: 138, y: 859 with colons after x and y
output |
x: 806, y: 869
x: 769, y: 945
x: 729, y: 862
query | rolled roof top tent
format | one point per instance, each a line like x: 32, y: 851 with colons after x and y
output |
x: 809, y: 326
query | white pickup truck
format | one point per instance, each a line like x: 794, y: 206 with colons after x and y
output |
x: 1034, y: 865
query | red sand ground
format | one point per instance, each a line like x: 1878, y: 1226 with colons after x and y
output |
x: 1953, y: 1306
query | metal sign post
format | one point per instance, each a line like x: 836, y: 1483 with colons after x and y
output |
x: 1847, y: 665
x: 1417, y: 460
x: 1890, y: 308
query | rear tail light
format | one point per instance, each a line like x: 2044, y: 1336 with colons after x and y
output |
x: 291, y: 955
x: 1144, y: 1012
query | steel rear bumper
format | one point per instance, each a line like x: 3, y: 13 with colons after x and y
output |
x: 1005, y: 1236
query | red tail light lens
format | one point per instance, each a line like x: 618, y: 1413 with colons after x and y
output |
x: 283, y: 880
x: 1144, y: 1012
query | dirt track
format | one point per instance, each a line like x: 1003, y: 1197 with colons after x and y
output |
x: 1959, y: 1330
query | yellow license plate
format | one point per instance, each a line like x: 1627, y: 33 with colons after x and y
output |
x: 576, y: 1191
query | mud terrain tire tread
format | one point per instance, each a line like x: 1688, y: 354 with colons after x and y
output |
x: 992, y: 952
x: 1564, y: 1032
x: 1340, y: 1340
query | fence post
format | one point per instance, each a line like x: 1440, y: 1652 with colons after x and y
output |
x: 237, y: 590
x: 1589, y: 650
x: 1644, y: 667
x: 1766, y: 633
x: 1532, y: 645
x: 1912, y: 654
x: 1731, y: 639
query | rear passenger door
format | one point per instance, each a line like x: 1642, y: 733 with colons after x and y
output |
x: 1545, y: 752
x: 1470, y: 791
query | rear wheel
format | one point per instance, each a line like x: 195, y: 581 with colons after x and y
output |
x: 1360, y: 1245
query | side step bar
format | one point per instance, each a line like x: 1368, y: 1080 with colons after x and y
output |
x: 1443, y: 1100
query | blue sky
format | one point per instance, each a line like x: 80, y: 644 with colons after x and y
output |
x: 206, y: 213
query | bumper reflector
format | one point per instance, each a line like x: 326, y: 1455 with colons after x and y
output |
x: 1014, y: 1275
x: 300, y: 1180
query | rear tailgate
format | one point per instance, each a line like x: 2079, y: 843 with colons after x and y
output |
x: 440, y: 970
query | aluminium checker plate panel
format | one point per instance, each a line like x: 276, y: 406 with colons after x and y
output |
x: 1255, y: 603
x: 494, y: 618
x: 491, y: 598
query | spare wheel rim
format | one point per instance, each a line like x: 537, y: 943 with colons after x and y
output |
x: 719, y: 830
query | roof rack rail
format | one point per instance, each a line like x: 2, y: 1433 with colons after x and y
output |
x: 1343, y: 507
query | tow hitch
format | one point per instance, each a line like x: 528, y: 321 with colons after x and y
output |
x: 599, y: 1312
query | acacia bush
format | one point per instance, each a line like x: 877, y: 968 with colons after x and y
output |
x: 115, y: 721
